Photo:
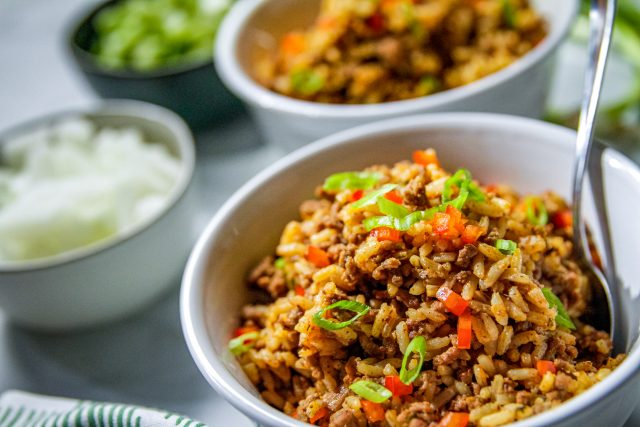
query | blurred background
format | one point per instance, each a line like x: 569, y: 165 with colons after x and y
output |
x: 143, y: 359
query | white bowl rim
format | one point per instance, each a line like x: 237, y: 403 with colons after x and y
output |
x: 192, y: 307
x: 125, y: 108
x: 243, y: 86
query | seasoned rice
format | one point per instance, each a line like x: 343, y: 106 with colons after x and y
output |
x: 495, y: 263
x: 364, y: 51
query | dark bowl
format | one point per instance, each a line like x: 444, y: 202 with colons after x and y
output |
x: 193, y: 90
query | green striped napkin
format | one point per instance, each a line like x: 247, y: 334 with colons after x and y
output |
x: 20, y: 409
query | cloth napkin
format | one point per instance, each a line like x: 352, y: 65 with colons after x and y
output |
x: 20, y: 409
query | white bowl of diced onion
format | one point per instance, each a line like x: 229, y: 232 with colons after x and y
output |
x: 94, y: 213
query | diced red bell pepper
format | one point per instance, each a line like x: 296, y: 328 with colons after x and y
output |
x: 544, y: 366
x: 562, y: 219
x: 244, y: 330
x: 425, y: 157
x: 471, y: 233
x: 454, y: 419
x: 397, y: 387
x: 394, y: 196
x: 376, y: 22
x: 299, y: 290
x: 292, y: 43
x: 317, y: 256
x: 386, y: 233
x: 356, y: 195
x: 464, y: 331
x: 320, y: 414
x: 373, y: 411
x: 452, y: 301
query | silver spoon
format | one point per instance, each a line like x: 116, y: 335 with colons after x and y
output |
x: 601, y: 17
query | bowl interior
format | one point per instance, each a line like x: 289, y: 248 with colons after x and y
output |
x: 159, y: 126
x: 258, y: 36
x: 528, y: 155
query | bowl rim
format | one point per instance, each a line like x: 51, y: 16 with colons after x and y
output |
x: 246, y: 88
x: 132, y: 110
x: 88, y: 63
x: 192, y: 310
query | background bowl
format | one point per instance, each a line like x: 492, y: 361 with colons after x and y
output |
x: 520, y: 88
x: 194, y: 91
x: 531, y: 156
x: 114, y: 277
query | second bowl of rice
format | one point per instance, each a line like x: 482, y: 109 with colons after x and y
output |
x: 342, y: 64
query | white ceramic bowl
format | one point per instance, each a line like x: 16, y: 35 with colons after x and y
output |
x: 520, y: 88
x: 114, y: 277
x: 530, y: 155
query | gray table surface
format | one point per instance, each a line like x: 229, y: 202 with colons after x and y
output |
x: 143, y: 359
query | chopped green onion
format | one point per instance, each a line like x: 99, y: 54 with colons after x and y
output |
x: 468, y: 189
x: 388, y: 207
x: 417, y: 345
x: 456, y: 179
x: 562, y: 317
x: 279, y: 263
x: 371, y: 391
x: 351, y: 181
x: 402, y: 224
x: 372, y: 197
x: 507, y: 247
x: 356, y: 307
x: 508, y: 13
x: 243, y: 343
x: 536, y: 211
x: 306, y: 82
x: 428, y: 84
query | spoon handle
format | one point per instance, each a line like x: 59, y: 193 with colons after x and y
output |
x: 601, y: 16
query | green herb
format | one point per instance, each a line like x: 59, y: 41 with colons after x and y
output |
x: 467, y: 189
x: 562, y: 317
x: 356, y: 307
x: 393, y: 209
x: 279, y: 263
x: 417, y: 345
x: 507, y: 247
x: 508, y: 13
x: 536, y: 211
x: 351, y: 181
x: 372, y: 197
x: 428, y: 84
x: 371, y: 391
x: 148, y: 35
x: 307, y: 82
x: 402, y: 224
x: 243, y: 343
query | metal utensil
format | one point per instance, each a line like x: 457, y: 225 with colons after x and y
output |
x: 601, y: 17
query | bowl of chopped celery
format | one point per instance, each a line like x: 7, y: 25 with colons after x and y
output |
x: 158, y: 51
x: 88, y: 201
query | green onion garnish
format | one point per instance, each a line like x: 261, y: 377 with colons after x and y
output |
x: 507, y: 247
x: 351, y: 181
x: 417, y: 345
x: 356, y: 307
x: 508, y: 13
x: 372, y: 197
x: 393, y: 209
x: 402, y: 224
x: 468, y: 189
x: 562, y: 318
x: 306, y: 82
x: 371, y: 391
x: 243, y: 343
x: 536, y: 211
x: 279, y: 263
